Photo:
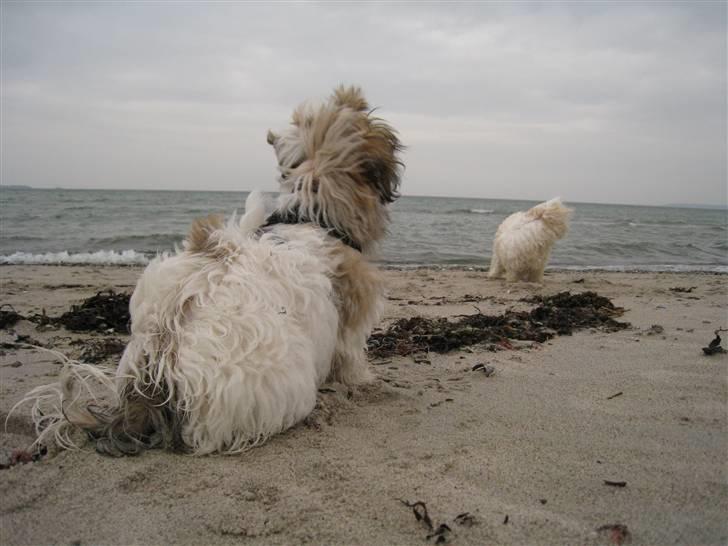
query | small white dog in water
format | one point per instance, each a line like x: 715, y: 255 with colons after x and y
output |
x: 523, y: 242
x: 232, y: 336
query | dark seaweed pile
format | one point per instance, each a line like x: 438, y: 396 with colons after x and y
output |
x: 99, y: 313
x: 561, y: 314
x: 8, y: 316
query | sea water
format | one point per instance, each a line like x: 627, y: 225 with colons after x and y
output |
x: 130, y: 227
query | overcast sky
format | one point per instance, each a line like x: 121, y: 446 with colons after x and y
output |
x: 613, y: 102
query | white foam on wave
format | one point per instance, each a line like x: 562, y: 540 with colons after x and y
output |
x: 481, y: 211
x: 659, y: 268
x: 102, y: 257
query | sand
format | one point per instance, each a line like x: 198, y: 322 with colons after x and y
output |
x: 532, y: 443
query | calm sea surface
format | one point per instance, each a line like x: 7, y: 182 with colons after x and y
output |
x: 101, y: 226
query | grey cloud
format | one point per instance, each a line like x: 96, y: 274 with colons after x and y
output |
x: 617, y: 102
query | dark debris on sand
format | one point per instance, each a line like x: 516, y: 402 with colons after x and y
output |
x: 714, y: 347
x: 617, y: 533
x: 560, y: 314
x: 683, y: 289
x: 8, y: 316
x: 100, y: 313
x: 96, y: 350
x: 20, y: 456
x: 106, y: 310
x: 440, y: 534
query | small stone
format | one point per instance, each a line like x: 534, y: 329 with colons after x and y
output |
x: 654, y: 329
x: 5, y: 460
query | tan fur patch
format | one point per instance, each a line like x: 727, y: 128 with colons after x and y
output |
x: 359, y: 287
x: 352, y: 97
x: 199, y: 240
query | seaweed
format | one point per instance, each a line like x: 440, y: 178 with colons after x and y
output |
x: 106, y: 310
x: 8, y: 318
x: 682, y: 289
x: 441, y: 533
x: 560, y: 314
x: 487, y: 370
x: 466, y: 519
x: 714, y: 347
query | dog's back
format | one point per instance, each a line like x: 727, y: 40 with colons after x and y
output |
x: 553, y: 214
x: 232, y: 336
x: 523, y: 241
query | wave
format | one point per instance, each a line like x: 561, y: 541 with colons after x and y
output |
x: 132, y: 257
x: 480, y: 264
x: 23, y: 238
x: 154, y: 242
x: 673, y: 224
x: 102, y: 257
x: 466, y: 211
x: 658, y: 268
x: 136, y: 238
x: 416, y: 211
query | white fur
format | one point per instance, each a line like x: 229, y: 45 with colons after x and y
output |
x: 254, y: 212
x: 242, y: 344
x: 524, y: 240
x: 232, y: 335
x: 246, y: 357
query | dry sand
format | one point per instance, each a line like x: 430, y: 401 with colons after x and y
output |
x: 533, y: 443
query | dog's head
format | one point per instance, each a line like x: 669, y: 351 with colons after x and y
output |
x: 339, y: 167
x: 554, y: 214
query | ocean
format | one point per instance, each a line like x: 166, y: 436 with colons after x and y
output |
x: 129, y: 227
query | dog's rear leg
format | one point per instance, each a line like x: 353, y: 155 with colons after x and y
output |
x: 496, y: 270
x: 359, y: 294
x: 350, y: 362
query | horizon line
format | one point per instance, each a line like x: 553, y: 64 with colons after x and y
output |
x: 705, y: 206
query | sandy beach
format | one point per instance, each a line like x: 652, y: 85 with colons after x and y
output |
x: 525, y: 452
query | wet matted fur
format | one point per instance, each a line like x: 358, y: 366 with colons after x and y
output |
x: 232, y: 336
x: 524, y: 240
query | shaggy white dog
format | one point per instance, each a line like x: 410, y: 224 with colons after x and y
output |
x: 524, y: 240
x: 232, y: 336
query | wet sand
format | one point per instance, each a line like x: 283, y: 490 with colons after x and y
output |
x: 533, y: 443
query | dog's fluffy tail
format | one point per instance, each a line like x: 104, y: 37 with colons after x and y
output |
x: 213, y: 237
x: 254, y: 216
x: 110, y: 410
x: 554, y: 214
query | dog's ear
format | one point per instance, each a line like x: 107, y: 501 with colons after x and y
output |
x: 377, y: 174
x: 352, y: 97
x: 382, y: 169
x: 272, y: 138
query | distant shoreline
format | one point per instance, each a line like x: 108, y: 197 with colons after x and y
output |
x: 479, y: 268
x: 667, y: 206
